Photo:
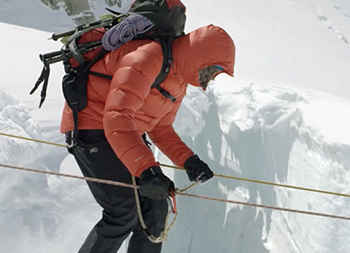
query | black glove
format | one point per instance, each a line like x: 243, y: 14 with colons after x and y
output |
x: 197, y: 170
x: 154, y: 184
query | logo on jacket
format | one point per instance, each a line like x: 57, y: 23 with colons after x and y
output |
x: 93, y: 150
x: 139, y: 158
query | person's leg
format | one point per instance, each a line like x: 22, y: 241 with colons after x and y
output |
x: 96, y: 159
x: 154, y: 213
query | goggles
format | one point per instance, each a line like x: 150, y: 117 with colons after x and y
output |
x: 219, y: 67
x: 206, y: 76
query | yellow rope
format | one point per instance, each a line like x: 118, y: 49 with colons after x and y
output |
x: 91, y: 179
x: 269, y: 183
x: 181, y: 193
x: 265, y: 206
x: 216, y: 175
x: 30, y: 139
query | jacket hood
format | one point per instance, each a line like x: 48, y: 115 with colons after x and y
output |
x: 206, y: 46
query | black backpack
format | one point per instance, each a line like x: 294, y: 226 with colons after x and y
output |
x: 168, y: 17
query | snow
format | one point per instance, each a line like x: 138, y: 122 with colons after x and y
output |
x: 284, y: 118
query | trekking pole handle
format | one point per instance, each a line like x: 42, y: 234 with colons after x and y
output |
x: 57, y: 36
x: 48, y: 55
x: 53, y: 57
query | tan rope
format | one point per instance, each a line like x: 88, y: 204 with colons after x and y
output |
x: 268, y: 183
x: 181, y: 193
x: 264, y: 206
x: 31, y: 139
x: 164, y: 234
x: 188, y: 187
x: 216, y: 175
x: 96, y: 180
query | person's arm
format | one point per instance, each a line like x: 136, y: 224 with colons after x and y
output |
x: 128, y: 90
x: 168, y: 141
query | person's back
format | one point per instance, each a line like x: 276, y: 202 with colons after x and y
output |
x: 98, y: 88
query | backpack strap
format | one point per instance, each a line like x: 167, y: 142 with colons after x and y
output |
x: 75, y: 105
x: 168, y: 59
x: 101, y: 75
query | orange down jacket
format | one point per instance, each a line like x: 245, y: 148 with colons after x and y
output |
x: 126, y: 107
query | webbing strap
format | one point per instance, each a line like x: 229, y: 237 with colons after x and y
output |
x: 168, y: 59
x: 78, y: 56
x: 105, y: 76
x: 44, y: 77
x: 98, y: 57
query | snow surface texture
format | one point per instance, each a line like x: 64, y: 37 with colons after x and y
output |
x: 284, y: 118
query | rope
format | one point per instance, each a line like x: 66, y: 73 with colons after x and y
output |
x: 164, y: 234
x: 31, y: 139
x: 96, y: 180
x: 270, y: 183
x: 182, y: 193
x: 265, y: 206
x: 177, y: 190
x: 216, y: 175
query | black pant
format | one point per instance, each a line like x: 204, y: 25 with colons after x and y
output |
x: 96, y: 159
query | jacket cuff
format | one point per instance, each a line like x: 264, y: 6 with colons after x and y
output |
x: 145, y: 167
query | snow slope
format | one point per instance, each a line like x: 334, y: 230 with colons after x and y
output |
x: 284, y: 118
x: 288, y: 42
